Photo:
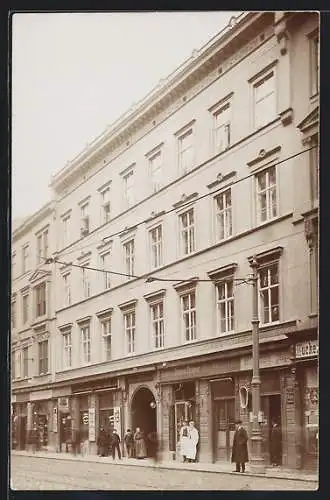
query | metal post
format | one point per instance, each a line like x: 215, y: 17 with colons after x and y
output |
x: 257, y: 460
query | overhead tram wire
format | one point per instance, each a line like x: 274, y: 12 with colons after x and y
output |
x: 134, y: 226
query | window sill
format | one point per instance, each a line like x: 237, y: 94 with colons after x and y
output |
x: 266, y: 325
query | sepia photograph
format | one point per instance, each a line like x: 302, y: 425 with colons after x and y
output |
x: 164, y: 251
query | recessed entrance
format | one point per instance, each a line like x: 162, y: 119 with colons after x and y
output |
x: 143, y: 411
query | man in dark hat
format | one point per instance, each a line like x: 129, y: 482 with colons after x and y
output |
x: 240, y: 452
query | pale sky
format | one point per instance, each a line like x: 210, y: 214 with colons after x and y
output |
x: 73, y: 74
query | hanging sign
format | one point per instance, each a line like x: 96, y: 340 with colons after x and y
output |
x: 307, y: 349
x: 117, y: 420
x: 55, y: 419
x: 63, y: 404
x: 91, y: 424
x: 85, y: 418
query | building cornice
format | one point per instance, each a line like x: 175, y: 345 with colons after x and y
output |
x: 33, y: 220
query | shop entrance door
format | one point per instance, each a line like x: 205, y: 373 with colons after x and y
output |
x: 271, y: 407
x: 224, y: 428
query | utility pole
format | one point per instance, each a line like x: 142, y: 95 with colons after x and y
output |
x: 257, y: 460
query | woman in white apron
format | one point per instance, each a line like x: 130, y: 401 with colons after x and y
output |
x: 193, y: 438
x: 184, y: 440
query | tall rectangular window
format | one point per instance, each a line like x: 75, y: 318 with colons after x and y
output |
x: 25, y: 308
x: 85, y: 281
x: 225, y: 305
x: 66, y: 230
x: 264, y: 100
x: 85, y: 342
x: 25, y: 362
x: 224, y: 215
x: 67, y: 288
x: 25, y: 258
x: 13, y: 314
x: 156, y: 246
x: 67, y: 349
x: 18, y: 364
x: 157, y: 324
x: 42, y: 247
x: 43, y: 357
x: 266, y: 195
x: 129, y: 326
x: 129, y: 257
x: 186, y: 151
x: 187, y: 232
x: 128, y: 180
x: 269, y: 293
x: 314, y: 64
x: 221, y: 130
x: 105, y: 265
x: 105, y: 205
x: 40, y: 299
x: 85, y: 222
x: 188, y: 307
x: 106, y: 339
x: 155, y: 163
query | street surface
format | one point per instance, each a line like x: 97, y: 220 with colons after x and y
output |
x: 32, y: 473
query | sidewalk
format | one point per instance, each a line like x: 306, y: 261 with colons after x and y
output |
x: 224, y: 467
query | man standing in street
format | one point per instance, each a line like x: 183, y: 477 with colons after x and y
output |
x: 240, y: 452
x: 275, y: 445
x: 115, y: 444
x: 128, y: 440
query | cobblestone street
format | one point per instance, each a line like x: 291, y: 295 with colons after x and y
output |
x: 35, y: 473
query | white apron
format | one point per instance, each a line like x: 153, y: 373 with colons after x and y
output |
x: 192, y: 441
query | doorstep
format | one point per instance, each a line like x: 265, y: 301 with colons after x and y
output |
x: 222, y: 467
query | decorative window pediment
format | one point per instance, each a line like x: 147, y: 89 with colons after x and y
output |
x: 264, y: 155
x: 39, y: 275
x: 222, y: 179
x: 185, y: 199
x: 186, y: 286
x: 85, y: 320
x: 267, y: 255
x: 154, y: 296
x: 222, y: 272
x: 105, y: 314
x: 65, y: 328
x: 128, y: 306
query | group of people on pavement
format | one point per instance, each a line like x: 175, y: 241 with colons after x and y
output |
x: 108, y: 443
x: 137, y: 445
x: 189, y: 437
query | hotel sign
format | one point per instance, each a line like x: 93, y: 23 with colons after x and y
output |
x: 307, y: 349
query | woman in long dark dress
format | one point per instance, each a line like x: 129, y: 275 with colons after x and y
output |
x: 140, y: 444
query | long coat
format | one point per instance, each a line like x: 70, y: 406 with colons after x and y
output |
x: 103, y: 442
x: 140, y: 445
x: 240, y: 451
x: 191, y: 445
x: 275, y: 444
x: 184, y: 444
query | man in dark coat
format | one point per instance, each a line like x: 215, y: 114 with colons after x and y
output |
x: 240, y: 452
x: 153, y: 445
x: 275, y: 444
x: 115, y: 444
x: 103, y: 443
x: 129, y: 441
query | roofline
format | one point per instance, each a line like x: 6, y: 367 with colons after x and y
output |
x: 33, y: 219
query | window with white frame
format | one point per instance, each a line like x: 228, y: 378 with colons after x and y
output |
x: 225, y: 305
x: 269, y: 292
x: 105, y: 205
x: 66, y: 230
x: 25, y: 307
x: 40, y: 299
x: 157, y: 324
x: 25, y: 258
x: 128, y: 182
x: 223, y: 207
x: 266, y: 194
x: 221, y: 128
x: 13, y: 313
x: 67, y: 349
x: 129, y: 257
x: 106, y: 338
x: 25, y: 362
x: 187, y: 232
x: 314, y: 64
x: 129, y: 327
x: 67, y: 288
x: 85, y: 280
x: 42, y: 247
x: 85, y: 222
x: 85, y: 344
x: 43, y: 357
x: 186, y: 151
x: 188, y: 309
x: 155, y: 165
x: 156, y: 246
x: 264, y: 93
x: 18, y: 364
x: 105, y: 266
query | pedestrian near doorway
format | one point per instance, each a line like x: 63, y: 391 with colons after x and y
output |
x: 140, y: 444
x: 115, y: 444
x: 153, y: 445
x: 103, y: 443
x: 184, y: 440
x: 35, y: 439
x: 129, y: 443
x: 275, y: 445
x: 240, y: 451
x: 193, y: 438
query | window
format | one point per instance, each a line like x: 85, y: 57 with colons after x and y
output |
x: 314, y: 64
x: 42, y: 247
x: 157, y: 324
x: 105, y: 205
x: 67, y: 288
x: 156, y: 245
x: 221, y: 130
x: 84, y: 208
x: 105, y: 265
x: 43, y: 357
x: 225, y: 305
x: 269, y: 293
x: 25, y: 362
x: 129, y: 257
x: 25, y: 308
x: 85, y: 282
x: 128, y: 180
x: 25, y: 258
x: 155, y: 163
x: 129, y: 326
x: 85, y: 339
x: 224, y: 215
x: 66, y: 230
x: 314, y: 162
x: 187, y: 230
x: 67, y: 349
x: 264, y: 100
x: 186, y: 152
x: 18, y: 364
x: 266, y: 195
x: 40, y: 295
x: 13, y: 314
x: 106, y: 338
x: 188, y: 305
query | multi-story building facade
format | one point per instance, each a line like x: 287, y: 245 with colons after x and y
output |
x: 157, y: 222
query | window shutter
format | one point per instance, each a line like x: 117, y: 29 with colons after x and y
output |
x: 171, y: 432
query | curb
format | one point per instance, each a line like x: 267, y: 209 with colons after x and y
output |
x: 168, y: 467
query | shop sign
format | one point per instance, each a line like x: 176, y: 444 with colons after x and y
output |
x: 267, y: 361
x: 290, y: 395
x: 307, y: 349
x: 63, y: 404
x: 41, y: 395
x: 55, y: 419
x: 117, y: 419
x: 85, y: 418
x: 91, y: 424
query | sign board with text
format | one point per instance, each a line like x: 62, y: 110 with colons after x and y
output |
x: 307, y: 349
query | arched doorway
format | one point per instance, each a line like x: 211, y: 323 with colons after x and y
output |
x: 143, y: 411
